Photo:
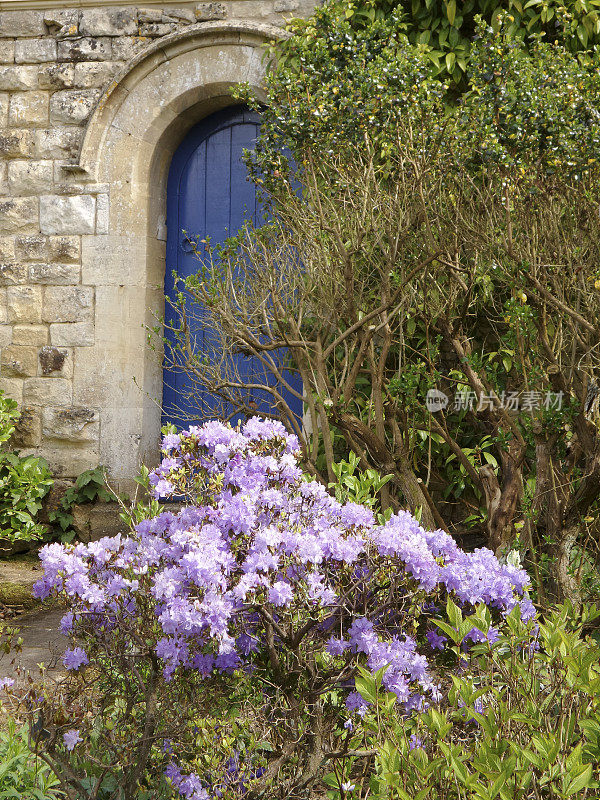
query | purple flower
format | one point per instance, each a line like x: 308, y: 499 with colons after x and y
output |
x: 6, y: 683
x: 414, y: 742
x: 71, y: 739
x: 281, y: 594
x: 436, y: 642
x: 75, y: 658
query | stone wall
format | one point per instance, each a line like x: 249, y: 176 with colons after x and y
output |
x: 55, y: 67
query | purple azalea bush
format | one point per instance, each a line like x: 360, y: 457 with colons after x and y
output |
x: 263, y: 594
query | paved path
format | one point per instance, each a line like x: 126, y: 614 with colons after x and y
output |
x: 42, y: 643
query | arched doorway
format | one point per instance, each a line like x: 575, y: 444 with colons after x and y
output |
x: 209, y: 197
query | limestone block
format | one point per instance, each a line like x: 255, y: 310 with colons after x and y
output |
x: 47, y: 391
x: 7, y: 51
x: 58, y: 143
x: 13, y: 388
x: 102, y: 213
x: 64, y: 248
x: 75, y: 424
x: 6, y: 335
x: 68, y: 303
x: 62, y: 23
x: 30, y: 248
x: 285, y: 5
x: 16, y: 143
x: 94, y: 521
x: 35, y: 51
x: 7, y: 248
x: 157, y: 28
x: 86, y: 49
x: 73, y: 106
x: 208, y: 11
x: 19, y: 214
x: 179, y: 14
x: 24, y: 304
x: 13, y: 272
x: 70, y: 459
x: 28, y: 108
x: 28, y: 430
x: 72, y: 334
x: 3, y: 306
x: 21, y: 23
x: 29, y: 177
x: 149, y: 14
x: 74, y: 214
x: 15, y: 79
x: 56, y: 362
x: 94, y: 74
x: 107, y: 22
x: 54, y: 274
x: 4, y: 100
x: 19, y: 361
x: 4, y: 178
x: 56, y: 76
x: 30, y: 335
x: 125, y: 48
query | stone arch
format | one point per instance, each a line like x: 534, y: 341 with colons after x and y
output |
x: 124, y: 159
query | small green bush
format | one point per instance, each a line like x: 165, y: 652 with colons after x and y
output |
x: 518, y: 721
x: 23, y: 776
x: 24, y: 482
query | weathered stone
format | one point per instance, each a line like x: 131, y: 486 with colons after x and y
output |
x: 7, y: 51
x: 72, y: 424
x: 28, y: 108
x: 102, y: 213
x: 72, y: 106
x: 18, y: 214
x: 285, y: 5
x: 15, y: 79
x: 14, y: 144
x: 64, y: 248
x: 30, y: 248
x: 4, y: 178
x: 4, y: 100
x: 57, y: 142
x: 107, y: 22
x: 47, y: 391
x: 34, y: 335
x: 56, y: 76
x: 54, y: 274
x: 208, y: 11
x: 179, y: 14
x: 72, y: 334
x: 7, y: 248
x: 55, y: 362
x: 75, y: 214
x: 28, y: 430
x: 157, y: 28
x: 13, y: 272
x: 94, y: 74
x: 24, y: 303
x: 3, y: 305
x: 35, y: 51
x: 18, y: 361
x: 29, y: 177
x: 149, y: 14
x: 13, y: 388
x: 68, y: 303
x: 125, y: 48
x: 97, y: 520
x: 21, y: 23
x: 62, y: 23
x: 6, y: 335
x: 70, y: 459
x: 87, y: 49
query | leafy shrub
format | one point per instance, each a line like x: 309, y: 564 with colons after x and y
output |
x: 259, y: 601
x: 88, y: 488
x: 24, y: 482
x: 23, y: 776
x: 522, y: 721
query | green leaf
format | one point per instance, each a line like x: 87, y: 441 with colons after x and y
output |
x: 581, y: 781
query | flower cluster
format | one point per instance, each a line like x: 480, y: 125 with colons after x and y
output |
x: 266, y: 560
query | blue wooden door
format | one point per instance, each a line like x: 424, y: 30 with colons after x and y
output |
x: 209, y: 195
